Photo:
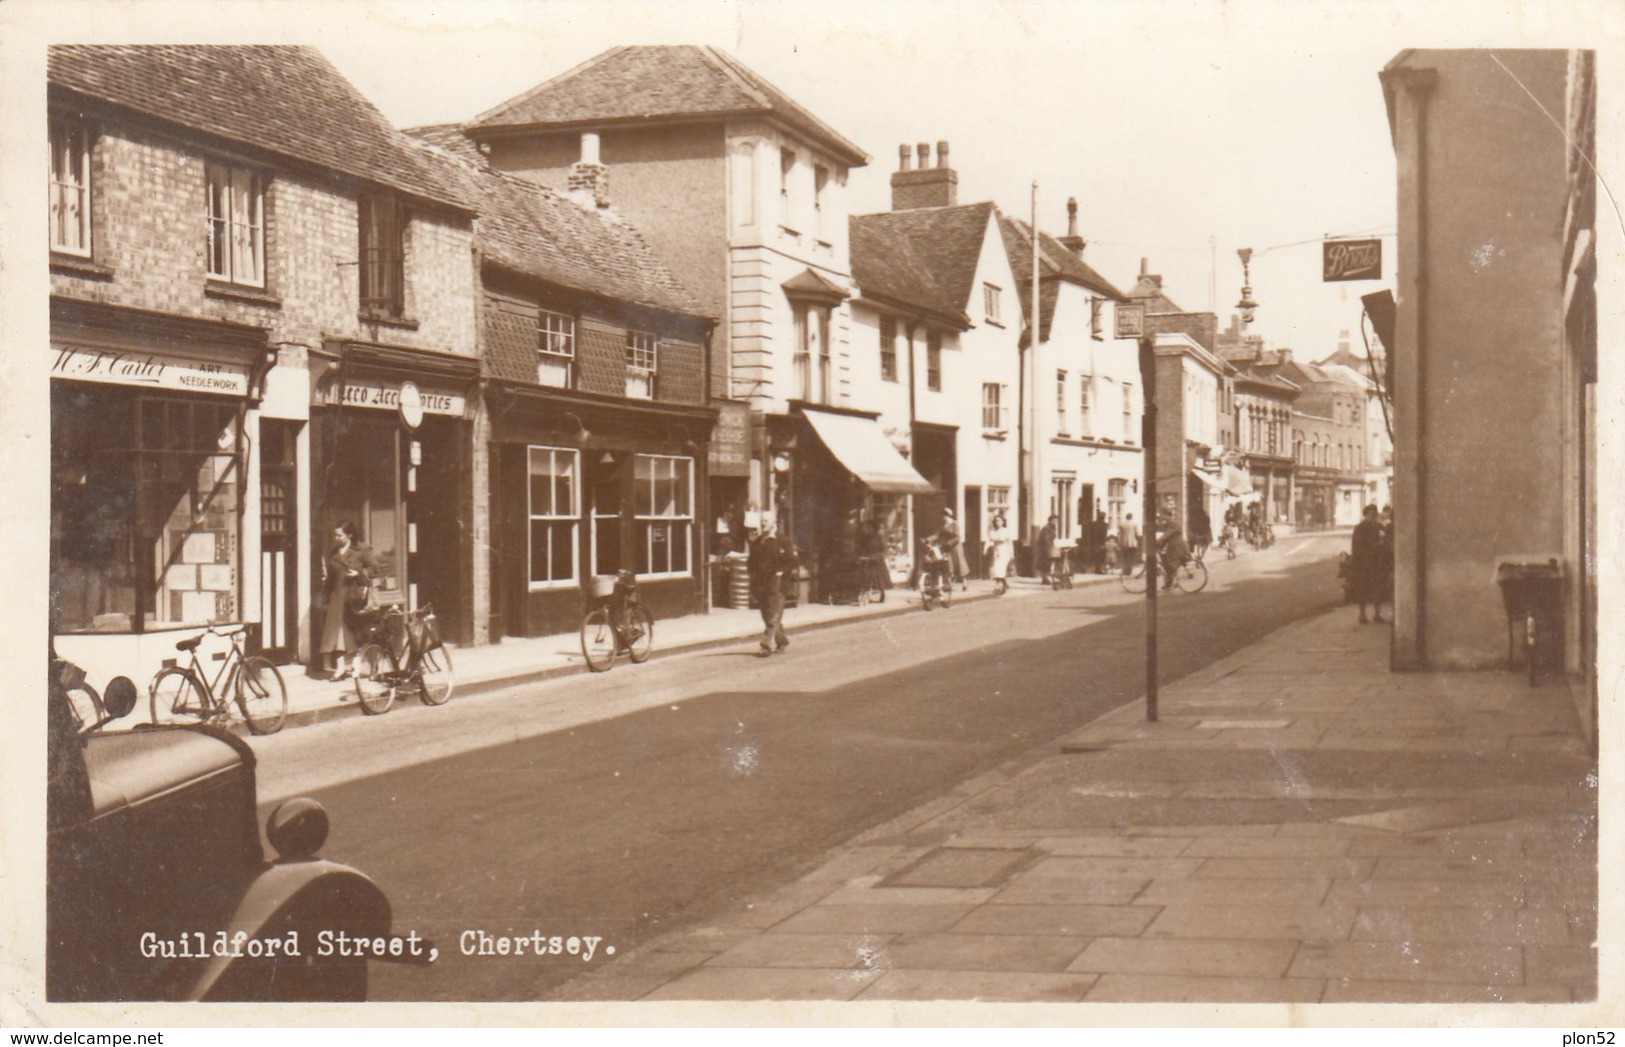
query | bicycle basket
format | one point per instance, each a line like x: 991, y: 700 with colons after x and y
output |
x: 424, y: 629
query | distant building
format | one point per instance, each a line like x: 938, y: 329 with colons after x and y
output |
x: 1494, y: 348
x: 1370, y: 374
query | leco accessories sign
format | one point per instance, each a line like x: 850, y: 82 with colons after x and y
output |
x: 1350, y: 260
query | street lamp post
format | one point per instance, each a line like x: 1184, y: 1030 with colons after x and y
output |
x: 1131, y: 323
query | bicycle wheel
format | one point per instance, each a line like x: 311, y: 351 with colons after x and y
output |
x: 1191, y: 576
x: 945, y: 593
x: 434, y: 675
x: 261, y: 696
x: 178, y: 697
x: 597, y: 640
x: 1133, y: 581
x: 373, y: 686
x: 640, y: 643
x: 928, y: 591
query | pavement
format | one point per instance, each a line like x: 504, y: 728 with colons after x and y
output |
x: 1300, y: 825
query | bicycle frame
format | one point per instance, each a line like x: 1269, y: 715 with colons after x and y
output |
x: 215, y: 689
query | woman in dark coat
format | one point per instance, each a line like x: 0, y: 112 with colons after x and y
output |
x: 1368, y: 561
x: 349, y: 567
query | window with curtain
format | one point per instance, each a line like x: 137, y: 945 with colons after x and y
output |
x: 382, y: 256
x: 236, y: 224
x: 70, y: 186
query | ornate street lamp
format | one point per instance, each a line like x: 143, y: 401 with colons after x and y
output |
x: 1246, y: 305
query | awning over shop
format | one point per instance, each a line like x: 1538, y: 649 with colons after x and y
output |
x: 1237, y: 482
x: 860, y: 446
x: 1211, y: 481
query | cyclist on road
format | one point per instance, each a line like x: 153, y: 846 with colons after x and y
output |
x: 1171, y: 549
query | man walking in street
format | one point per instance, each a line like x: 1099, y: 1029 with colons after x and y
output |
x: 1128, y: 540
x: 770, y: 564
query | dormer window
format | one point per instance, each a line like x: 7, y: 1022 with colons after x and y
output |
x: 70, y: 187
x: 991, y: 303
x: 236, y: 224
x: 383, y: 223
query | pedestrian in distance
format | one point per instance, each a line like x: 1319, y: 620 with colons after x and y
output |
x: 1201, y: 530
x: 772, y: 570
x: 1000, y: 547
x: 1128, y: 542
x: 350, y: 594
x: 1367, y: 560
x: 953, y: 548
x: 1099, y: 528
x: 1045, y: 554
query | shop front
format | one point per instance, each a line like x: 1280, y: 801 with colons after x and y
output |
x: 390, y: 455
x: 842, y: 491
x: 584, y: 486
x: 151, y: 500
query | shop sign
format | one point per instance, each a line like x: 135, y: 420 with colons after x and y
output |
x: 388, y: 398
x: 730, y: 441
x: 151, y: 370
x: 1351, y: 260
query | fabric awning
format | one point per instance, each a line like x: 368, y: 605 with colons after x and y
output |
x: 1237, y: 482
x: 1211, y: 481
x: 860, y: 446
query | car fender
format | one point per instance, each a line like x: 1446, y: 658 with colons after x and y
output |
x: 308, y: 896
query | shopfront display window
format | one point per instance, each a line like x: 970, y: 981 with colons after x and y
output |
x: 663, y: 490
x: 891, y: 513
x: 146, y: 511
x: 555, y: 516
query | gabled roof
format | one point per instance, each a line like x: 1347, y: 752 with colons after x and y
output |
x: 1148, y: 289
x: 1056, y: 264
x: 536, y: 231
x: 924, y: 257
x: 647, y: 83
x: 283, y: 100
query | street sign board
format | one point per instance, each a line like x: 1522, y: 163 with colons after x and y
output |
x: 1131, y: 319
x: 1351, y: 260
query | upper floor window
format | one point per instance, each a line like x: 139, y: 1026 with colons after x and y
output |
x: 787, y: 164
x: 383, y: 223
x: 642, y: 359
x: 995, y: 411
x: 820, y: 188
x: 888, y: 349
x: 1085, y: 383
x: 990, y: 304
x: 815, y: 371
x: 70, y: 187
x: 555, y: 349
x: 933, y: 361
x: 1128, y: 413
x: 1060, y: 402
x: 236, y: 224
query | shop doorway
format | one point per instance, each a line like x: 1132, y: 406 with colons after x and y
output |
x: 973, y: 532
x: 279, y: 535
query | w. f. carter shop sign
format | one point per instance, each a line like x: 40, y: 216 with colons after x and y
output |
x: 153, y: 370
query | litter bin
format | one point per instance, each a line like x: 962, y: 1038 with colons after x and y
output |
x: 1532, y: 590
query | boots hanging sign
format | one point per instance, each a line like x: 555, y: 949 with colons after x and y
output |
x: 1351, y: 260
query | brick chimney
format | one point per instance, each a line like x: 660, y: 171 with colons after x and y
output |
x: 1072, y: 241
x: 588, y: 184
x: 927, y: 186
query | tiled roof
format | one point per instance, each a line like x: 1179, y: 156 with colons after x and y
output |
x: 287, y: 101
x: 538, y: 231
x: 1056, y: 263
x: 1148, y: 289
x: 648, y: 83
x: 924, y: 256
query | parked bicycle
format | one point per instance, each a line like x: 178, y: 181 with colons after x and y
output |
x: 248, y: 682
x: 1190, y: 577
x: 619, y: 622
x: 85, y: 701
x: 402, y: 651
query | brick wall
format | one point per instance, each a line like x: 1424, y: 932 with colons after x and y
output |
x: 150, y: 228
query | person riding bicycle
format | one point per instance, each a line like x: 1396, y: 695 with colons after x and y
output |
x: 1172, y: 551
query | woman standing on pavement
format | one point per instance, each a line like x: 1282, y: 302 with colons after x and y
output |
x: 349, y: 566
x: 1367, y: 558
x: 999, y: 550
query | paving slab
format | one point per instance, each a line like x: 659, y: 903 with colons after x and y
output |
x: 1187, y: 956
x: 1365, y: 990
x: 1091, y: 920
x: 985, y: 952
x: 1155, y: 988
x: 717, y: 983
x: 992, y: 986
x: 845, y: 951
x: 1460, y: 924
x: 874, y: 919
x: 1410, y: 961
x: 1295, y: 922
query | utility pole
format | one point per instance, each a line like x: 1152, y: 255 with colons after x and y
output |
x: 1131, y: 323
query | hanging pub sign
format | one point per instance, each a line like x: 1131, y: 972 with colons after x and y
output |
x: 1130, y: 319
x: 1351, y: 260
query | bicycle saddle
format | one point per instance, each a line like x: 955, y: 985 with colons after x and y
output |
x: 187, y: 645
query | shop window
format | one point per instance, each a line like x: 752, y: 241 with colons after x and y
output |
x: 383, y: 228
x: 70, y: 187
x: 933, y: 361
x: 995, y: 409
x: 236, y: 224
x: 888, y: 349
x: 555, y: 515
x: 556, y: 349
x: 642, y: 359
x: 1060, y: 503
x: 663, y: 489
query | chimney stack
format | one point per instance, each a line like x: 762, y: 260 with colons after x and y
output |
x: 588, y: 182
x: 1072, y: 241
x: 923, y: 186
